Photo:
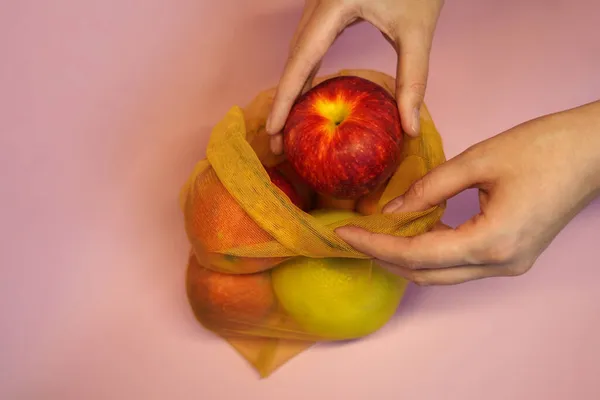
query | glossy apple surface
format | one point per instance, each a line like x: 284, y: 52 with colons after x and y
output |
x: 344, y: 137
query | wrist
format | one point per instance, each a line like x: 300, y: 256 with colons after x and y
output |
x: 585, y: 130
x: 594, y: 133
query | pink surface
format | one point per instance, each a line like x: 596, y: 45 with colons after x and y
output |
x: 105, y: 106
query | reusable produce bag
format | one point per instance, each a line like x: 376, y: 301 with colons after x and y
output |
x: 242, y: 228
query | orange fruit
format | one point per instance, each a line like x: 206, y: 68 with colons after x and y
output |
x: 228, y: 301
x: 215, y: 222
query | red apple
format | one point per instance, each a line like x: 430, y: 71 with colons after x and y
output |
x: 302, y: 188
x: 344, y: 137
x: 286, y: 187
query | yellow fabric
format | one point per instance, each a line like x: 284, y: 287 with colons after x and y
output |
x: 233, y: 172
x: 267, y: 354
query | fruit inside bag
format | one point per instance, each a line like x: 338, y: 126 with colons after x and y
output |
x: 266, y: 271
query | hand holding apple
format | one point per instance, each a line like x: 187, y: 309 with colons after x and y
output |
x: 408, y: 25
x: 532, y: 180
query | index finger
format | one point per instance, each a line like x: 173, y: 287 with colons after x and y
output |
x: 434, y: 249
x: 312, y: 44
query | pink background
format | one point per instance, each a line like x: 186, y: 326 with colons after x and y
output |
x: 106, y: 105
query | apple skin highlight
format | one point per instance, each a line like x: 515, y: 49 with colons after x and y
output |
x: 344, y: 137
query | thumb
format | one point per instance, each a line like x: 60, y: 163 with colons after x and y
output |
x: 319, y: 33
x: 440, y: 184
x: 411, y: 77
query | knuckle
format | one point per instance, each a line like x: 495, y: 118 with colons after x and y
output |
x: 391, y: 31
x: 418, y: 88
x: 417, y: 189
x: 410, y: 262
x: 517, y: 269
x: 499, y: 254
x: 370, y: 239
x: 420, y: 279
x: 479, y: 160
x: 295, y: 48
x: 370, y: 242
x: 296, y: 57
x: 468, y: 157
x: 471, y: 160
x: 501, y: 251
x: 469, y: 152
x: 414, y: 90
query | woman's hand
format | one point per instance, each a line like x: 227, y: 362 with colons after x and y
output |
x: 532, y: 180
x: 407, y: 24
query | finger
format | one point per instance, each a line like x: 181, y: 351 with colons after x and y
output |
x: 307, y: 14
x: 312, y: 44
x: 309, y: 81
x: 276, y: 142
x: 435, y: 249
x: 411, y: 77
x: 445, y: 276
x: 440, y: 184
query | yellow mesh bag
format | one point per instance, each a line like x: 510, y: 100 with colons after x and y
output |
x: 241, y: 227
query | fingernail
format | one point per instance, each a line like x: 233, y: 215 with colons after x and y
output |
x: 276, y: 144
x: 416, y: 124
x: 341, y: 231
x: 393, y: 205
